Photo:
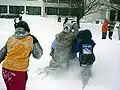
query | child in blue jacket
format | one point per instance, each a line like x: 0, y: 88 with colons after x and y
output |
x: 84, y: 46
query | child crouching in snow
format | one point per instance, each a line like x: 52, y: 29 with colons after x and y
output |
x: 85, y: 46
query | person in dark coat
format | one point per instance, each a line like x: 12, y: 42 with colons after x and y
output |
x: 85, y: 39
x: 15, y: 23
x: 111, y: 26
x: 66, y: 20
x: 84, y: 46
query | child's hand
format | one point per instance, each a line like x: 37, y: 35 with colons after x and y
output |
x: 51, y: 53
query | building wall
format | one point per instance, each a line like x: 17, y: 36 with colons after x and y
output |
x: 93, y: 17
x: 33, y: 10
x: 40, y: 8
x: 16, y: 9
x: 3, y: 8
x: 21, y: 6
x: 20, y: 3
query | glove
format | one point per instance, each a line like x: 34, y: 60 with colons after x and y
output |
x: 52, y: 51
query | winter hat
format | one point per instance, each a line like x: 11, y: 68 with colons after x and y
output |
x: 24, y: 25
x: 69, y: 27
x: 80, y: 34
x: 87, y: 34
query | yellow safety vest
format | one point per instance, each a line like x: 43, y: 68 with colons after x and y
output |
x: 18, y: 53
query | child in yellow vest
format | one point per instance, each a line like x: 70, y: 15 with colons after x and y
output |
x: 15, y: 56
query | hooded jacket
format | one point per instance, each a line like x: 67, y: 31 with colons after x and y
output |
x: 16, y: 52
x: 62, y: 46
x: 85, y: 47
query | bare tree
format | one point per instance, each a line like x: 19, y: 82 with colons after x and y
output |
x: 84, y: 7
x: 81, y: 8
x: 112, y: 4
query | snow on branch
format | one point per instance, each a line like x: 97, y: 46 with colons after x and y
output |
x: 88, y: 6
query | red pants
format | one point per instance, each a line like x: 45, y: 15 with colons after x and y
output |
x: 14, y: 80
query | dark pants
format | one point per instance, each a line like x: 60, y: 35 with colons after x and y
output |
x: 104, y: 34
x: 14, y: 80
x: 110, y: 35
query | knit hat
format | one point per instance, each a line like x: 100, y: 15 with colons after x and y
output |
x: 71, y: 27
x: 68, y: 27
x: 87, y: 34
x: 24, y: 25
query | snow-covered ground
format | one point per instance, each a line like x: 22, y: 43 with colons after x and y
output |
x: 106, y: 69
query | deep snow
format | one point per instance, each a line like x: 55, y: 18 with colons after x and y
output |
x: 106, y: 73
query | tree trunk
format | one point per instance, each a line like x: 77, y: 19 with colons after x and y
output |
x: 78, y: 23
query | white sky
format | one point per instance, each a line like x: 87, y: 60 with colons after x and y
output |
x: 106, y: 69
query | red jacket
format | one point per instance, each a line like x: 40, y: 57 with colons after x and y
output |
x: 105, y: 26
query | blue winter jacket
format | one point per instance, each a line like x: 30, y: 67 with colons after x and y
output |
x: 78, y: 48
x: 53, y: 44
